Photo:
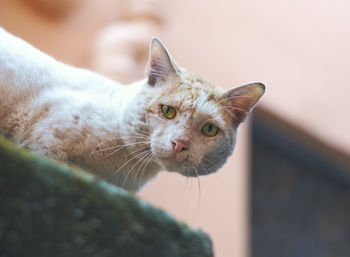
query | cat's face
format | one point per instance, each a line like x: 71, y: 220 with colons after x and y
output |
x: 192, y: 123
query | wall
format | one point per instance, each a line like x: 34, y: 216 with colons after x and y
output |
x: 299, y: 49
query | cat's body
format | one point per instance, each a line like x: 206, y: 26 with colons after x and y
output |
x: 120, y: 133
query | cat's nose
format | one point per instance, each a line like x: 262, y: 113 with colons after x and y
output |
x: 179, y: 145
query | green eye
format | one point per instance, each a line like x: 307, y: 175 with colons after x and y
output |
x: 168, y: 111
x: 210, y: 130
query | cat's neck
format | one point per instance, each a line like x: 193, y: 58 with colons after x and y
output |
x: 118, y: 137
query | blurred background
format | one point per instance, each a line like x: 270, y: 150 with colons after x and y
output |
x: 286, y: 190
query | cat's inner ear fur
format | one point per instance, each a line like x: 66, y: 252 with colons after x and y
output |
x: 160, y: 65
x: 241, y: 100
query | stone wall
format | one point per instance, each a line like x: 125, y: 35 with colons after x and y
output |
x: 49, y: 209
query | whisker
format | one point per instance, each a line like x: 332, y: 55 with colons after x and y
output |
x: 207, y: 165
x: 186, y: 183
x: 209, y: 162
x: 199, y: 183
x: 206, y: 169
x: 105, y: 141
x: 127, y: 163
x: 122, y: 147
x: 145, y: 168
x: 137, y: 150
x: 144, y: 163
x: 131, y: 169
x: 119, y: 147
x: 104, y: 149
x: 109, y: 140
x: 199, y: 189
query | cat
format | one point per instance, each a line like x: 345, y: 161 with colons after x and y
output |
x: 172, y: 120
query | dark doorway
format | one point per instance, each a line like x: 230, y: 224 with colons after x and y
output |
x: 300, y: 199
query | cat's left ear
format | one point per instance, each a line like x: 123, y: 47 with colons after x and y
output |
x: 241, y: 100
x: 160, y: 65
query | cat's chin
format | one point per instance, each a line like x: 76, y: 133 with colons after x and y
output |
x: 170, y: 164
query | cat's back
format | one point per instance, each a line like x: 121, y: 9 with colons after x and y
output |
x: 33, y: 84
x: 16, y: 54
x: 26, y: 71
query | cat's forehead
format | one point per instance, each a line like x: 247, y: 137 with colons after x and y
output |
x: 189, y: 87
x: 197, y: 86
x: 193, y: 94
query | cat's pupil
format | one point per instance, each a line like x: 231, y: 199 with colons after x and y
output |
x: 210, y: 127
x: 168, y: 109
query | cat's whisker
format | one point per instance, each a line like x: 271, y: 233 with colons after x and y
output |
x: 191, y: 185
x: 145, y: 167
x: 116, y: 146
x: 137, y: 150
x: 144, y: 163
x: 187, y: 178
x: 109, y: 140
x: 119, y: 147
x: 209, y: 162
x: 206, y: 169
x: 139, y: 154
x: 199, y: 183
x: 146, y: 160
x: 199, y: 189
x: 211, y: 166
x: 144, y: 154
x: 105, y: 141
x: 124, y: 146
x: 104, y: 149
x: 209, y: 169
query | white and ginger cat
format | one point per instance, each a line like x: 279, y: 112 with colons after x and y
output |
x: 172, y: 120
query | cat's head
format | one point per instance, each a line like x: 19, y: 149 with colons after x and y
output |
x: 192, y: 122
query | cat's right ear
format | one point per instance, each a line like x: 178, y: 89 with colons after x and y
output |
x: 160, y: 65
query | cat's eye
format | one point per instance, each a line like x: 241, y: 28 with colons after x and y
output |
x: 210, y: 130
x: 168, y: 111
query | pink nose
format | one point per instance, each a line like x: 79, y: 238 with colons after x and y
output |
x: 179, y: 145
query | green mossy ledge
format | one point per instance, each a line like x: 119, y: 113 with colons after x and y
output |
x: 49, y: 209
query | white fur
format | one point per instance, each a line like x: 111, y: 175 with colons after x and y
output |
x: 36, y: 79
x: 114, y: 131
